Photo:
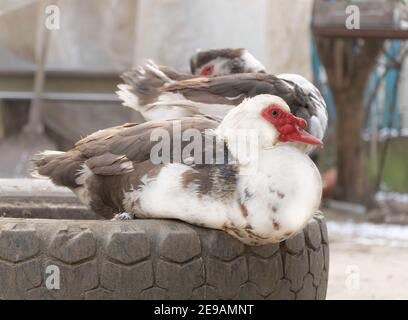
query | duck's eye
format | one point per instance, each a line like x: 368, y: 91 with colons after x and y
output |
x: 274, y: 113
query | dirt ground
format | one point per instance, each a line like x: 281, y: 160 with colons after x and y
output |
x: 367, y: 260
x: 364, y: 271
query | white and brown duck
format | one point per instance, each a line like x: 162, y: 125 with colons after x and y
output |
x: 259, y: 202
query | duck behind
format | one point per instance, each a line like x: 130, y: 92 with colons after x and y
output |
x: 158, y: 94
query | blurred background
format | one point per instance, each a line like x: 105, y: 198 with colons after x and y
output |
x: 57, y: 84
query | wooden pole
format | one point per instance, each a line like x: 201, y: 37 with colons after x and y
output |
x: 348, y: 64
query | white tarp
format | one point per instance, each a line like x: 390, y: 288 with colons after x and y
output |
x: 111, y: 34
x: 276, y: 32
x: 93, y: 34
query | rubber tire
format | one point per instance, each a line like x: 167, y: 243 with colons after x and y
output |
x: 156, y: 259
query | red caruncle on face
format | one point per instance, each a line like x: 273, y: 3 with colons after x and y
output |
x: 290, y: 127
x: 207, y: 71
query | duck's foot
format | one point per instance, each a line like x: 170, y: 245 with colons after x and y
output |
x: 123, y: 216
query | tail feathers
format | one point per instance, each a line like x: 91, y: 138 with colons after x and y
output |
x: 61, y: 167
x: 142, y: 85
x: 125, y: 93
x: 157, y: 71
x: 41, y: 160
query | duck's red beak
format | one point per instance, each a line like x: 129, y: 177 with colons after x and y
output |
x: 304, y: 136
x: 294, y: 130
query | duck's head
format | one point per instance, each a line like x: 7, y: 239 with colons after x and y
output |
x: 220, y: 62
x: 271, y: 118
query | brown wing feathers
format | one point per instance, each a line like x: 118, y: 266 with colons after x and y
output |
x: 114, y: 151
x: 222, y: 90
x: 232, y: 89
x: 109, y: 164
